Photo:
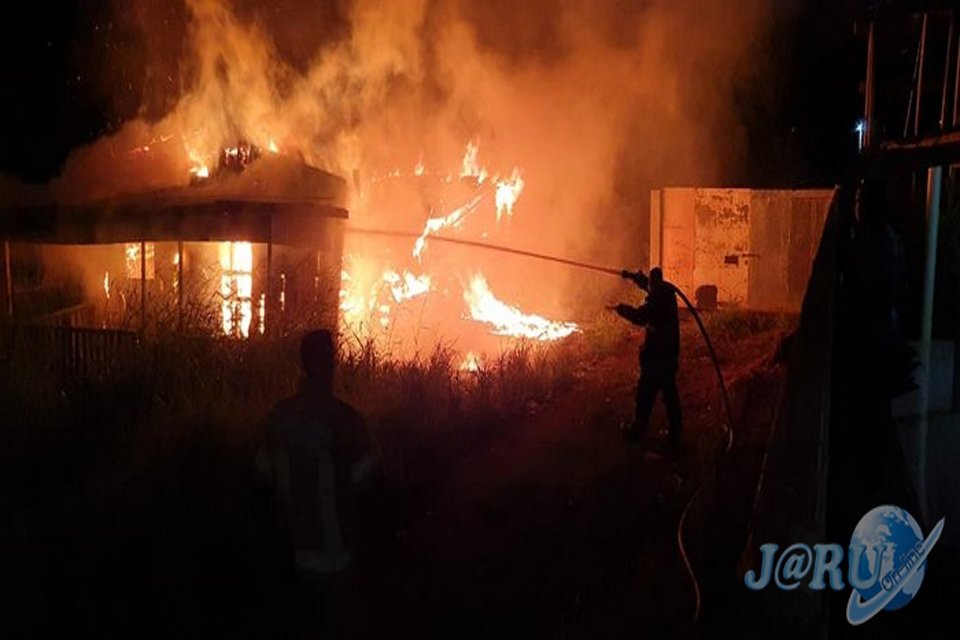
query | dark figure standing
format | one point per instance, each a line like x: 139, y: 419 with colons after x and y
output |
x: 319, y: 457
x: 660, y: 354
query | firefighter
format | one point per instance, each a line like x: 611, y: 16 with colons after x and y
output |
x: 318, y: 456
x: 659, y: 356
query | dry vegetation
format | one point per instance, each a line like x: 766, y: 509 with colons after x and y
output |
x: 156, y: 450
x: 112, y: 425
x: 174, y: 390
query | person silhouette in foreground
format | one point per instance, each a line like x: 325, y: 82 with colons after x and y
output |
x: 660, y: 354
x: 318, y: 456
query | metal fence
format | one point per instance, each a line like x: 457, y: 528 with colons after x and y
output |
x: 66, y: 349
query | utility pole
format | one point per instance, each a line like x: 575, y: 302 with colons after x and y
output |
x: 143, y: 286
x: 946, y: 78
x: 9, y: 277
x: 180, y: 285
x: 868, y: 93
x: 923, y: 53
x: 934, y: 181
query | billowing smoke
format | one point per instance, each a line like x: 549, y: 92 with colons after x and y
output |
x: 594, y: 102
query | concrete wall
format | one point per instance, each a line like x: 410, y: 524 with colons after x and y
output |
x: 755, y: 246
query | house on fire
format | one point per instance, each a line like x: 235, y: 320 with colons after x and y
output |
x: 238, y: 254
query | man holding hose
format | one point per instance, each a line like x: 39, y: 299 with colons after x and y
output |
x: 660, y: 354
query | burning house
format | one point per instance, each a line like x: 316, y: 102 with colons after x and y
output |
x: 250, y: 245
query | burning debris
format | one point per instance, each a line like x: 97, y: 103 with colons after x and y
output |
x: 452, y: 220
x: 506, y: 320
x: 372, y: 296
x: 230, y: 160
x: 407, y: 287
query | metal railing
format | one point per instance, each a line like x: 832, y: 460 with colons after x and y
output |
x: 66, y: 349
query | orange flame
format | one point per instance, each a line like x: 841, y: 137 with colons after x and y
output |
x: 407, y: 287
x: 198, y: 168
x: 510, y: 321
x: 469, y: 167
x: 361, y: 293
x: 471, y: 362
x: 507, y: 193
x: 453, y: 219
x: 236, y: 287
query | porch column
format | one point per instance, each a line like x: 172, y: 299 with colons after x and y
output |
x: 180, y: 285
x: 143, y: 286
x: 9, y: 279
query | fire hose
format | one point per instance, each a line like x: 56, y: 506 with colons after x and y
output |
x: 626, y: 274
x: 728, y: 433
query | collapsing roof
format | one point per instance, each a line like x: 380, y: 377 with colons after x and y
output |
x: 276, y: 199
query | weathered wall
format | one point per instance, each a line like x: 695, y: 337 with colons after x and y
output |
x: 723, y: 242
x: 755, y: 246
x: 677, y: 236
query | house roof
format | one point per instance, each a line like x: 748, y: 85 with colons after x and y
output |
x: 281, y: 201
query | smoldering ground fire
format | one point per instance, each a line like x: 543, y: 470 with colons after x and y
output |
x: 534, y: 126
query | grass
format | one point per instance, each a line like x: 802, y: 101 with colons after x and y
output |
x: 728, y: 325
x: 162, y: 443
x: 174, y: 385
x: 177, y: 393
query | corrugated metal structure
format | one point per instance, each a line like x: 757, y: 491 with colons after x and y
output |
x: 755, y: 246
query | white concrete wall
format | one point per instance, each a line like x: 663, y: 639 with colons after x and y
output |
x: 755, y: 246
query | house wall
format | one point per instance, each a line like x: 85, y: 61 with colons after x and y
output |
x: 99, y: 286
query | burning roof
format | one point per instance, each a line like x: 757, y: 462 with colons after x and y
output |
x: 254, y: 203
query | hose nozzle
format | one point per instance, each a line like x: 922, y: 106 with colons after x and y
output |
x: 638, y: 277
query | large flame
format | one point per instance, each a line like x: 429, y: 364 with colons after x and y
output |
x: 236, y: 287
x: 510, y: 321
x: 373, y: 86
x: 373, y: 292
x: 453, y: 219
x: 406, y: 287
x: 133, y: 263
x: 368, y: 295
x: 199, y: 168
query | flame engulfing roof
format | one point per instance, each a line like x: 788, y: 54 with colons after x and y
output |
x: 276, y: 198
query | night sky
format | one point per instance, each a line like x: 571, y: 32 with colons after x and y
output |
x: 72, y: 71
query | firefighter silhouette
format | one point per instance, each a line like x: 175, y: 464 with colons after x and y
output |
x: 319, y: 458
x: 660, y: 354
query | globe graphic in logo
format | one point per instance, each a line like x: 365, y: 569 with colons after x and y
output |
x: 893, y: 532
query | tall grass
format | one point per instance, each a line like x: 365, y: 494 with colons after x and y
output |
x: 175, y: 391
x: 175, y: 388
